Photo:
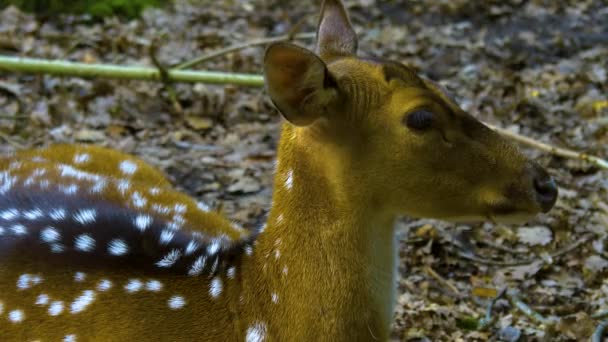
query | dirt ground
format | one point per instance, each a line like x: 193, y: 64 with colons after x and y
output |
x: 537, y: 67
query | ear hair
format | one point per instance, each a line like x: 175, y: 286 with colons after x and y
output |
x: 299, y: 83
x: 335, y: 34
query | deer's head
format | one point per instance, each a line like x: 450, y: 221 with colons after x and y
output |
x: 398, y: 137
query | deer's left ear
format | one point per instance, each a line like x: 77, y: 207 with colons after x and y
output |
x: 299, y: 84
x: 335, y: 34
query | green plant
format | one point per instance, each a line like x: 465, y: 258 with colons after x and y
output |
x: 96, y: 8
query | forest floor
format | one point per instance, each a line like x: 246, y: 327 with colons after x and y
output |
x: 536, y: 67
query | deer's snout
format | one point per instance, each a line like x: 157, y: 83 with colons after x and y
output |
x: 545, y: 188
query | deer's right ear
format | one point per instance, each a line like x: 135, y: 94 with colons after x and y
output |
x: 299, y: 83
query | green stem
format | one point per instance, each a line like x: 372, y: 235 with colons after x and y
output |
x: 72, y: 69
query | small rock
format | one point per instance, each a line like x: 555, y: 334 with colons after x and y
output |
x: 533, y: 236
x: 509, y: 333
x: 245, y: 185
x: 87, y: 135
x: 596, y: 263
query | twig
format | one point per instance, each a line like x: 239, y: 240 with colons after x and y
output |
x: 485, y: 322
x: 576, y: 244
x: 164, y: 77
x: 13, y: 117
x: 12, y: 142
x: 500, y: 247
x: 600, y: 315
x: 72, y: 69
x: 603, y: 206
x: 599, y: 332
x: 241, y: 46
x: 496, y: 263
x: 558, y: 151
x: 560, y: 252
x: 603, y: 121
x: 513, y: 297
x: 443, y: 281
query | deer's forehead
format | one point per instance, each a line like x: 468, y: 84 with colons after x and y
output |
x: 352, y: 69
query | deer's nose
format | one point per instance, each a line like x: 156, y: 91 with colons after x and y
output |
x: 545, y: 187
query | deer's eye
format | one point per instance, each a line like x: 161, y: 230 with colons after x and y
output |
x: 419, y: 120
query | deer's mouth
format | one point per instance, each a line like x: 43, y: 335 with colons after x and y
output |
x: 510, y: 214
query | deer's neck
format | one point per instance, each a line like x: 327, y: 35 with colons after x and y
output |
x: 327, y: 256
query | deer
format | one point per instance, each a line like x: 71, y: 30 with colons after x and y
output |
x: 95, y: 244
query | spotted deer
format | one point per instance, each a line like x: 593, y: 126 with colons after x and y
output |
x: 96, y: 245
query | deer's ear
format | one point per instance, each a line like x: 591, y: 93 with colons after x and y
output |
x: 299, y: 83
x: 335, y: 34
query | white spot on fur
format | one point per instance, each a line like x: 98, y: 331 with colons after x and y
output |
x: 104, y: 285
x: 85, y: 216
x: 128, y: 167
x: 56, y: 308
x: 80, y: 304
x: 161, y: 209
x: 69, y: 338
x: 99, y: 186
x: 79, y: 277
x: 49, y: 235
x: 198, y: 266
x: 6, y: 182
x: 289, y: 180
x: 215, y: 287
x: 58, y: 214
x: 84, y: 243
x: 123, y: 186
x: 192, y: 247
x: 9, y: 214
x: 44, y: 184
x: 231, y: 272
x: 180, y: 208
x: 170, y: 259
x: 33, y: 214
x: 16, y: 316
x: 166, y: 236
x: 118, y: 247
x: 178, y: 220
x: 142, y: 222
x: 213, y: 247
x: 176, y: 302
x: 202, y: 206
x: 214, y: 266
x: 285, y: 270
x: 57, y: 248
x: 42, y: 299
x: 138, y: 200
x: 19, y: 229
x: 256, y: 333
x: 134, y: 285
x: 69, y: 190
x: 26, y: 281
x: 81, y: 158
x: 68, y: 171
x: 274, y: 297
x: 154, y: 286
